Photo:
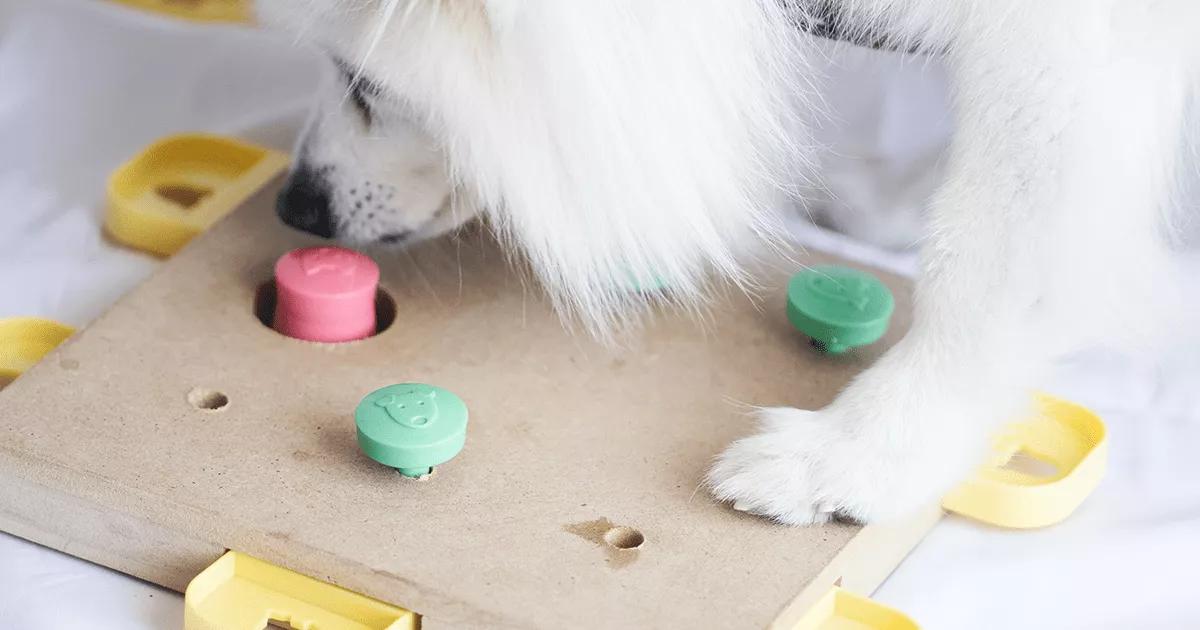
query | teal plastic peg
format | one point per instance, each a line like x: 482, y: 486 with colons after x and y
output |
x: 411, y: 427
x: 838, y: 307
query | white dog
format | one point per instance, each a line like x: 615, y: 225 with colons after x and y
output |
x: 659, y: 137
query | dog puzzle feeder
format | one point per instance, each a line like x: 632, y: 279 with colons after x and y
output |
x: 569, y: 437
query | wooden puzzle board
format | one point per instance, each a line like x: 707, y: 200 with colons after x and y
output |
x: 102, y: 455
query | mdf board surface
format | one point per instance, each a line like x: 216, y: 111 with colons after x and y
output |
x: 103, y: 456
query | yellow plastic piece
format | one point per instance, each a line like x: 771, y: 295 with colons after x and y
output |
x: 238, y: 592
x: 197, y: 10
x: 25, y: 340
x: 840, y: 609
x: 179, y: 186
x: 1068, y: 437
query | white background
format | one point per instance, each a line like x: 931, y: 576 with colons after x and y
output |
x: 84, y: 85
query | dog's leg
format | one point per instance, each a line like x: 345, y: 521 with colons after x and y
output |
x: 1046, y: 228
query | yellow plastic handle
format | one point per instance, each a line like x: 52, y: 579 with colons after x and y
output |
x: 840, y: 609
x: 25, y: 340
x: 197, y: 10
x: 179, y: 186
x: 239, y: 592
x: 1067, y: 437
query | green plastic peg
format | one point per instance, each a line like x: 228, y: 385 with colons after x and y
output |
x: 838, y: 307
x: 411, y: 427
x: 652, y: 283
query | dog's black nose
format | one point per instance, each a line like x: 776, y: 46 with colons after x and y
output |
x: 304, y: 202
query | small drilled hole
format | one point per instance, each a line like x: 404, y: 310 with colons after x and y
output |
x: 183, y: 195
x: 207, y: 399
x: 264, y: 307
x: 1028, y: 464
x: 624, y: 537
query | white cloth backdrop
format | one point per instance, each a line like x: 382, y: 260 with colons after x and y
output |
x: 84, y: 84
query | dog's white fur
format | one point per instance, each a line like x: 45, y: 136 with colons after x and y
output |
x: 656, y: 138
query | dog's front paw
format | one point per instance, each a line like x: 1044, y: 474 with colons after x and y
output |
x: 776, y: 473
x: 805, y: 467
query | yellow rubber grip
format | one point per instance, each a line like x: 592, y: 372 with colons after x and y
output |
x: 237, y: 11
x: 239, y: 592
x: 25, y: 340
x: 840, y: 609
x: 1068, y: 437
x: 179, y: 186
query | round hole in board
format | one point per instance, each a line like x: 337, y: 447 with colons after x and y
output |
x: 264, y: 307
x: 207, y: 399
x: 623, y: 537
